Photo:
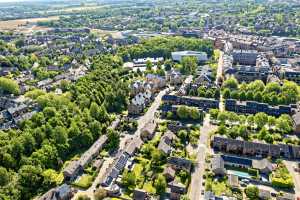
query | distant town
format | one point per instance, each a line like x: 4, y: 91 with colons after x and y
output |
x: 140, y: 100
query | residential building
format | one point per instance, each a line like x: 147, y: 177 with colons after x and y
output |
x: 139, y: 194
x: 203, y: 103
x: 63, y: 192
x: 148, y: 131
x: 240, y: 147
x: 264, y: 194
x: 174, y: 77
x: 245, y: 57
x: 217, y: 165
x: 253, y: 107
x: 75, y: 167
x: 180, y: 163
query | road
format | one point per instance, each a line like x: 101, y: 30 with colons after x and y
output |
x: 296, y: 175
x: 147, y: 117
x: 150, y: 114
x: 220, y: 68
x: 197, y: 176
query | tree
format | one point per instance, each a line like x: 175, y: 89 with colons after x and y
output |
x: 260, y: 119
x: 226, y: 93
x: 234, y: 94
x: 100, y: 194
x: 284, y: 125
x: 128, y: 179
x: 252, y: 192
x: 83, y: 197
x: 194, y: 113
x: 189, y: 64
x: 231, y: 83
x: 113, y: 139
x: 249, y: 95
x: 30, y: 178
x: 168, y: 64
x: 184, y: 197
x: 149, y: 65
x: 182, y: 112
x: 9, y: 86
x: 160, y: 184
x: 222, y: 130
x: 182, y: 134
x: 214, y: 113
x: 4, y: 176
x: 242, y: 96
x: 258, y: 96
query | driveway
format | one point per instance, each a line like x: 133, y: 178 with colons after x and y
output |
x: 296, y: 175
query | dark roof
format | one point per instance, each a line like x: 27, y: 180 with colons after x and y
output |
x: 139, y: 194
x: 237, y: 160
x: 180, y: 162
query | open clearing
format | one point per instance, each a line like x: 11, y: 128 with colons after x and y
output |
x: 14, y: 24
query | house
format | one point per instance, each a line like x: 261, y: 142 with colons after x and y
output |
x: 296, y: 122
x: 148, y: 131
x: 263, y: 165
x: 169, y: 173
x: 203, y: 103
x: 174, y: 77
x: 139, y: 102
x: 133, y: 145
x: 63, y: 192
x: 217, y: 165
x: 221, y: 143
x: 185, y: 86
x: 75, y: 167
x: 237, y: 161
x: 176, y: 189
x: 233, y: 181
x: 176, y: 126
x: 264, y: 194
x: 165, y: 142
x: 253, y: 107
x: 245, y: 57
x: 180, y: 163
x: 139, y: 194
x: 157, y: 81
x: 177, y: 56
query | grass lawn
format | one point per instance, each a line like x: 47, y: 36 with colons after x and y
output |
x: 149, y: 188
x: 84, y: 182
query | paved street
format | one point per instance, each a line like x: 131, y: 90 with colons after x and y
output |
x: 149, y: 116
x: 197, y: 176
x: 220, y: 68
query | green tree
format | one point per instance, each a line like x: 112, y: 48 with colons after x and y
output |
x: 183, y: 112
x: 128, y: 179
x: 4, y: 176
x: 231, y: 83
x: 189, y: 65
x: 252, y: 192
x: 160, y: 184
x: 9, y: 86
x: 100, y: 194
x: 226, y: 93
x: 113, y: 138
x: 260, y: 119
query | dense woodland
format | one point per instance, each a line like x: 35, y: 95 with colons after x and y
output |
x: 31, y: 157
x: 164, y: 46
